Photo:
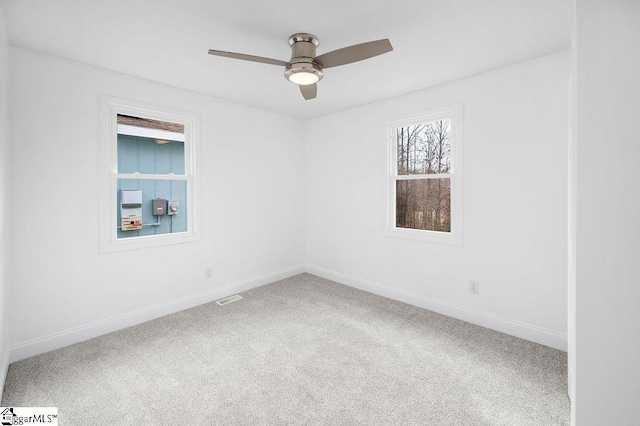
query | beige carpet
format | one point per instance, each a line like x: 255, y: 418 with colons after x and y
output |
x: 299, y: 351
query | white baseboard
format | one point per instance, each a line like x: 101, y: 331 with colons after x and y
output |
x: 4, y: 368
x: 505, y: 325
x: 98, y: 328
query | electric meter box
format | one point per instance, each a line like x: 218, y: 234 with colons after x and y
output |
x: 159, y: 206
x: 131, y: 209
x: 174, y: 207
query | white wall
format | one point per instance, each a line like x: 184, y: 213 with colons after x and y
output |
x: 515, y: 203
x: 65, y: 290
x: 607, y: 72
x: 4, y: 194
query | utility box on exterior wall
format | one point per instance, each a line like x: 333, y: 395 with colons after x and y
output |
x: 174, y: 207
x: 158, y: 206
x: 131, y: 209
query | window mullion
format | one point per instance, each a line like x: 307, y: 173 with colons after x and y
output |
x: 416, y: 177
x: 145, y: 176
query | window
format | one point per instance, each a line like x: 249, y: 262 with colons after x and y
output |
x: 148, y: 195
x: 424, y: 195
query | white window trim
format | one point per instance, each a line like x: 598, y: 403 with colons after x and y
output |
x: 455, y: 237
x: 108, y: 174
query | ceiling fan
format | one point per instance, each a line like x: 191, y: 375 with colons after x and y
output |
x: 305, y: 68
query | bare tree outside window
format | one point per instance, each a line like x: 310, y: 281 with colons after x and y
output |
x: 423, y: 182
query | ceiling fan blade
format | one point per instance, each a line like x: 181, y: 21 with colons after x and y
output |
x: 247, y: 57
x: 354, y: 53
x: 309, y: 91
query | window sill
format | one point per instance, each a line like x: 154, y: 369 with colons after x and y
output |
x: 447, y: 238
x: 148, y: 241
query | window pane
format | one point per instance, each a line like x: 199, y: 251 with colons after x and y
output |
x: 146, y: 155
x: 424, y: 148
x: 424, y: 204
x: 170, y: 190
x: 150, y: 146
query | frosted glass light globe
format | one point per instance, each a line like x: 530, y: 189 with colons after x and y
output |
x: 303, y: 78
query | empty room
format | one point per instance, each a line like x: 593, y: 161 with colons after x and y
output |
x: 343, y: 213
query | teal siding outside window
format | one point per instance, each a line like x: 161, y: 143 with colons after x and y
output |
x: 145, y: 156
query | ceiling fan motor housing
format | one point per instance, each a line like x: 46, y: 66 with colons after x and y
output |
x: 303, y: 52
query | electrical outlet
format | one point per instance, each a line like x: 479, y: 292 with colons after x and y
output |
x: 208, y: 273
x: 474, y: 287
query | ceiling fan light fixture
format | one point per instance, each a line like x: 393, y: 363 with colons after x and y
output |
x: 303, y: 73
x: 303, y: 78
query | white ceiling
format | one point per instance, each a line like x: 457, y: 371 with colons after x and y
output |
x: 434, y: 41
